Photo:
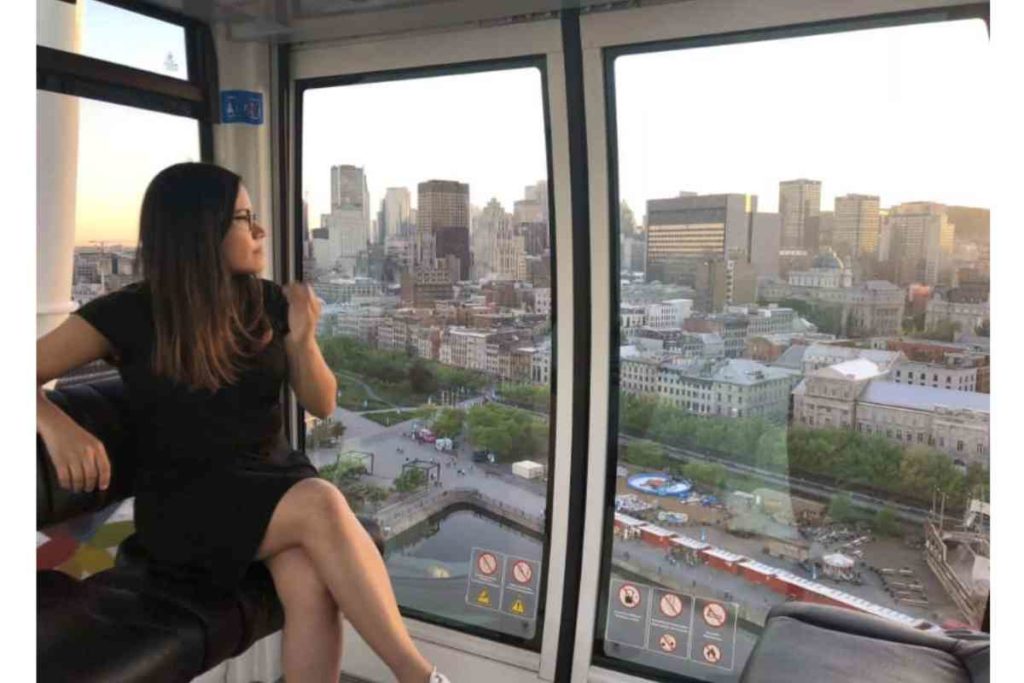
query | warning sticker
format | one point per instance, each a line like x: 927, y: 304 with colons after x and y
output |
x: 671, y: 605
x: 670, y: 615
x: 521, y: 587
x: 487, y: 564
x: 712, y: 654
x: 714, y: 632
x: 714, y: 615
x: 629, y: 596
x: 484, y: 586
x: 627, y: 614
x: 672, y: 624
x: 522, y: 572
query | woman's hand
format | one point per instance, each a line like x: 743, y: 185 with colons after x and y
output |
x: 303, y: 311
x: 79, y: 457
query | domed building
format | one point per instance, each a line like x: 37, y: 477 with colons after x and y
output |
x: 827, y: 270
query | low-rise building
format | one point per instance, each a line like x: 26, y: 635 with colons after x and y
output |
x: 464, y: 348
x: 857, y: 395
x: 968, y: 315
x: 936, y: 375
x: 722, y: 387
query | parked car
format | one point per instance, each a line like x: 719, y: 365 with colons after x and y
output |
x: 483, y: 456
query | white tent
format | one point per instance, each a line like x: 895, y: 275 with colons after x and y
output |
x: 528, y: 469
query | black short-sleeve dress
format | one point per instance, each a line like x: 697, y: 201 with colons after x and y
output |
x: 212, y: 465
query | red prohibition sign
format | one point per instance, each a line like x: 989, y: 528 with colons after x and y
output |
x: 487, y: 563
x: 668, y: 642
x: 522, y: 572
x: 671, y: 605
x: 712, y: 653
x: 714, y: 614
x: 629, y: 595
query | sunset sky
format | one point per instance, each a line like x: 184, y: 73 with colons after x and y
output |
x: 899, y: 112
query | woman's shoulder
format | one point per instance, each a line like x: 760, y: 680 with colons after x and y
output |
x: 120, y: 315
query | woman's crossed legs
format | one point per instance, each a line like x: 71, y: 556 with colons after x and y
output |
x: 314, y: 532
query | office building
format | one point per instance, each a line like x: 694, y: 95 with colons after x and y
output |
x: 799, y: 207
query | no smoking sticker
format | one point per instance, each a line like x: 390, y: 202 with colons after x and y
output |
x: 671, y: 605
x: 487, y: 564
x: 629, y: 596
x: 522, y: 572
x: 714, y: 615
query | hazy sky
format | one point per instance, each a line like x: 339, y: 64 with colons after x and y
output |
x: 485, y: 129
x: 899, y: 112
x: 121, y: 148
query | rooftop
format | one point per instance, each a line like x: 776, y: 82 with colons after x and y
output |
x: 922, y: 398
x: 857, y: 369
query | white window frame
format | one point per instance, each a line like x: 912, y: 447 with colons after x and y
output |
x: 600, y: 30
x: 446, y: 48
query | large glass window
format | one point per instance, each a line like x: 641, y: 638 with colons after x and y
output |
x: 427, y: 235
x: 119, y: 150
x: 120, y: 36
x: 802, y: 219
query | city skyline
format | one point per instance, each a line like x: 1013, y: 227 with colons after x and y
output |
x: 379, y: 135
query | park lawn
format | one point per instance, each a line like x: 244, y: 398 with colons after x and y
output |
x: 353, y: 395
x: 391, y: 417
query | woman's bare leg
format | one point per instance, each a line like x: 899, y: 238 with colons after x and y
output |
x: 314, y: 515
x: 312, y: 638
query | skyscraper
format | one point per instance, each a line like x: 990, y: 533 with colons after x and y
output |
x: 857, y: 226
x: 397, y: 213
x: 348, y: 188
x: 682, y: 230
x: 348, y: 224
x: 799, y: 204
x: 917, y: 242
x: 493, y: 219
x: 443, y: 222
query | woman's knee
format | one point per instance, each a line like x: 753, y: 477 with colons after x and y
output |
x: 321, y: 499
x: 302, y: 513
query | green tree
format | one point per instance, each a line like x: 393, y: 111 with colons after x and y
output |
x: 511, y: 434
x: 410, y: 480
x: 885, y: 523
x: 710, y: 474
x: 448, y: 423
x: 645, y: 454
x: 841, y: 508
x: 421, y: 379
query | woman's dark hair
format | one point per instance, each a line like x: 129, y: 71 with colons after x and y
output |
x: 207, y: 319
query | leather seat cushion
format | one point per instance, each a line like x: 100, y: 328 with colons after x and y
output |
x: 816, y: 643
x: 87, y: 632
x: 791, y: 650
x: 231, y: 620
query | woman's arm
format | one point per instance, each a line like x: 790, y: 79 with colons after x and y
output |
x: 313, y: 382
x: 79, y: 458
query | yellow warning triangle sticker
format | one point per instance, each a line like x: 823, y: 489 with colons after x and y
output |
x: 483, y: 598
x: 517, y: 606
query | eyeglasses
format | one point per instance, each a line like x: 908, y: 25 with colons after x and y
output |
x: 250, y: 218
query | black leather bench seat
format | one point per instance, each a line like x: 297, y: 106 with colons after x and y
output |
x: 129, y: 624
x: 93, y: 632
x: 810, y: 643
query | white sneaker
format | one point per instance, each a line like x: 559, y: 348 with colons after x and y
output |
x: 436, y: 677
